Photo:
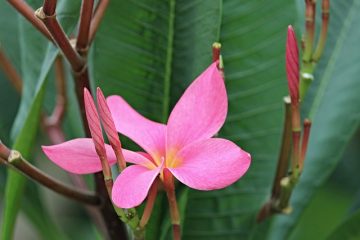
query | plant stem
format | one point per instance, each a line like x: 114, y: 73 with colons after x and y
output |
x: 18, y: 162
x: 305, y: 141
x: 324, y: 28
x: 310, y: 29
x: 24, y: 9
x: 149, y: 204
x: 48, y: 16
x: 269, y: 207
x: 283, y: 161
x: 98, y: 16
x: 10, y: 71
x: 85, y: 20
x: 53, y: 122
x: 174, y: 210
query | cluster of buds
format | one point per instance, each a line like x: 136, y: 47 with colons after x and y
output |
x: 295, y: 138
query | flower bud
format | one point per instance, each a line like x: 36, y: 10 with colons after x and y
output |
x: 292, y: 65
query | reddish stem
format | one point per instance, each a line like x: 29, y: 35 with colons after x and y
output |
x: 305, y: 141
x: 84, y: 28
x: 98, y: 16
x: 49, y: 7
x: 174, y: 210
x: 149, y: 204
x: 324, y: 28
x: 47, y: 15
x: 24, y: 9
x: 10, y: 71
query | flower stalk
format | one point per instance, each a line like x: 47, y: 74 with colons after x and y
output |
x: 310, y: 57
x: 10, y: 71
x: 84, y: 27
x: 174, y: 211
x: 149, y: 204
x: 97, y: 17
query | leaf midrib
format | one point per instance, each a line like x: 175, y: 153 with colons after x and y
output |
x: 168, y: 61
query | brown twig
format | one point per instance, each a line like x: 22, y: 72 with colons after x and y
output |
x: 84, y: 27
x: 10, y: 71
x: 15, y: 160
x: 98, y: 16
x: 24, y: 9
x: 48, y: 16
x: 53, y: 122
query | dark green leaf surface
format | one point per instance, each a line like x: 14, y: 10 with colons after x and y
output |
x: 253, y: 37
x: 334, y: 107
x: 348, y: 230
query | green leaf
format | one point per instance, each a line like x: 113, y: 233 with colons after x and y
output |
x: 253, y: 36
x: 349, y: 229
x: 36, y: 61
x: 332, y: 106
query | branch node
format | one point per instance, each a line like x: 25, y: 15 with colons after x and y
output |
x: 39, y: 13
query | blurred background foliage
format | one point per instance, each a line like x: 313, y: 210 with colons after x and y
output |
x: 148, y: 52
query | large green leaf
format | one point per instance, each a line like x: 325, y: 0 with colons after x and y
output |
x: 349, y: 229
x: 334, y: 107
x: 253, y: 38
x: 36, y: 60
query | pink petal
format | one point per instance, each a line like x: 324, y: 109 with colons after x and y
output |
x: 200, y: 112
x: 78, y: 156
x: 147, y: 134
x: 211, y: 164
x: 132, y: 186
x: 139, y: 158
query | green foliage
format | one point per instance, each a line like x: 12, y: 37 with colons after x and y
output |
x: 149, y: 52
x: 349, y: 229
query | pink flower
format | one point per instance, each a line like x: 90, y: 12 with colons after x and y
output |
x: 184, y: 146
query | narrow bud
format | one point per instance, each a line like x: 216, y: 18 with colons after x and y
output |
x: 216, y: 47
x: 94, y: 123
x: 96, y: 134
x: 292, y: 65
x: 109, y: 127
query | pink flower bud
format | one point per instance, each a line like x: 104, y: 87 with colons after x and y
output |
x: 109, y: 127
x: 292, y: 65
x: 94, y: 123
